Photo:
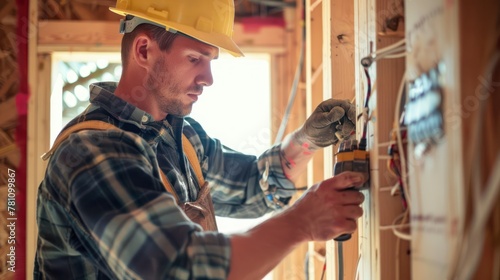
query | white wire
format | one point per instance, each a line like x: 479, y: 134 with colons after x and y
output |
x: 476, y: 234
x: 384, y: 157
x: 402, y: 157
x: 390, y: 48
x: 397, y: 50
x: 357, y: 267
x: 404, y: 236
x: 388, y: 188
x: 394, y: 227
x: 488, y: 199
x: 398, y: 55
x: 468, y: 253
x: 385, y: 144
x: 390, y: 227
x: 384, y: 52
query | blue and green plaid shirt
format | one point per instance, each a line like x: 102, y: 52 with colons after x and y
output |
x: 103, y: 212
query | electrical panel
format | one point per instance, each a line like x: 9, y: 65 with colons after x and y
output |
x: 424, y: 109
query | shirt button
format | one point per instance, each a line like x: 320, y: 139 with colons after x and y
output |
x: 145, y: 119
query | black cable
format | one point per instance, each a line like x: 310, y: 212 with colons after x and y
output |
x: 368, y: 95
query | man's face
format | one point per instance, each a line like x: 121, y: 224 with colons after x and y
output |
x: 179, y: 75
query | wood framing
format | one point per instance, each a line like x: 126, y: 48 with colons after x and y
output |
x: 342, y: 86
x: 57, y: 35
x: 314, y: 95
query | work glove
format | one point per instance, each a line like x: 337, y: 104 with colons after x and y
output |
x: 332, y: 119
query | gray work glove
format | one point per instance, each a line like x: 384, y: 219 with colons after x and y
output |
x: 331, y: 116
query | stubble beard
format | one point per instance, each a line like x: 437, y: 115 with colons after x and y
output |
x: 166, y: 90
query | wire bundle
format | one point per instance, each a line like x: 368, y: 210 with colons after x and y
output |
x: 397, y: 159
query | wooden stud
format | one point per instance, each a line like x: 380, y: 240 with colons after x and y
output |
x: 104, y: 36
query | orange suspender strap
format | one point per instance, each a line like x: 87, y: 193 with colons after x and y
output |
x: 100, y: 125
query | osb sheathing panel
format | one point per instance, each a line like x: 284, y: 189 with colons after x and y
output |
x: 9, y: 153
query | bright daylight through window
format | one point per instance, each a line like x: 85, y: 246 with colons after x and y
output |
x: 235, y: 109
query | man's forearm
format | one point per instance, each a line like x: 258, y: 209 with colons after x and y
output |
x: 255, y: 253
x: 295, y: 154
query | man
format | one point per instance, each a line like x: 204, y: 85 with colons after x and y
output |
x: 133, y: 195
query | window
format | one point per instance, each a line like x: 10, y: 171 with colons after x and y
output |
x: 236, y: 109
x: 72, y: 75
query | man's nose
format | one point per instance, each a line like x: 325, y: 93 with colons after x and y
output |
x: 205, y: 78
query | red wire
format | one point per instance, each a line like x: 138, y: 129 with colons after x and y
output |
x: 368, y: 94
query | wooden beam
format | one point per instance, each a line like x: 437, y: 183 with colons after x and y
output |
x: 364, y: 35
x: 104, y: 36
x: 34, y: 170
x: 341, y: 83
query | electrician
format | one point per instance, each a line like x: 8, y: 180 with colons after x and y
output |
x: 133, y: 184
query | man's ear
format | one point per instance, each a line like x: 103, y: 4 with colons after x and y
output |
x: 143, y: 50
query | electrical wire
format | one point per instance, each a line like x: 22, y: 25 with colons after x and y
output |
x: 472, y: 255
x: 293, y: 93
x: 367, y: 61
x: 397, y: 51
x: 323, y: 271
x: 365, y: 113
x: 468, y: 253
x: 399, y: 55
x: 387, y: 52
x: 403, y: 217
x: 402, y: 157
x: 356, y: 276
x: 400, y: 171
x: 458, y: 263
x: 394, y: 226
x: 390, y: 48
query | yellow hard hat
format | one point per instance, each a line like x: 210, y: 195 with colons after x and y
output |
x: 210, y: 21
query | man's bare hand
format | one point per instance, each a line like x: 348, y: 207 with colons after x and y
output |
x: 329, y: 208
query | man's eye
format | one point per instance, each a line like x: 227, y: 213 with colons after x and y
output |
x: 193, y: 59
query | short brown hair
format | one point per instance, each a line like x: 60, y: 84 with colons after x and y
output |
x: 160, y: 35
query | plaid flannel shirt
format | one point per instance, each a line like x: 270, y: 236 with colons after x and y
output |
x: 103, y: 213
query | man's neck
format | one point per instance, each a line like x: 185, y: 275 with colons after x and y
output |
x: 138, y: 96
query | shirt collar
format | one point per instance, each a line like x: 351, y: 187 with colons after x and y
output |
x: 102, y: 95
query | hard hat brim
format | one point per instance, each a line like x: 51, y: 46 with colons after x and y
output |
x: 214, y: 39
